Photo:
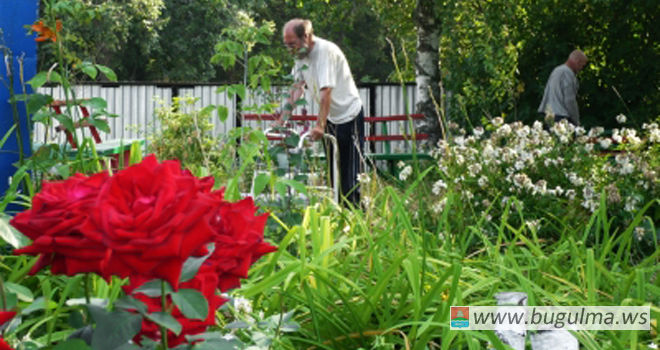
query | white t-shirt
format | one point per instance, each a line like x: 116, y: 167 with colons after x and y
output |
x: 326, y: 66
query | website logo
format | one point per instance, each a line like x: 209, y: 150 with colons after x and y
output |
x: 459, y: 317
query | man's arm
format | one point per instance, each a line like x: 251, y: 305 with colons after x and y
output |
x: 296, y: 91
x: 324, y: 110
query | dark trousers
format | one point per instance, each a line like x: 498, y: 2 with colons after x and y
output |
x: 350, y: 139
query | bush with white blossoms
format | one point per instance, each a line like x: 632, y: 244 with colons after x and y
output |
x: 563, y: 172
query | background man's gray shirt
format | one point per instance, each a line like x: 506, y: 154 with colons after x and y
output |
x: 560, y: 95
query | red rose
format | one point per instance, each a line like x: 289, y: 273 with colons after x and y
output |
x: 4, y: 345
x: 54, y: 222
x: 6, y: 316
x: 151, y: 218
x: 205, y: 282
x: 238, y: 237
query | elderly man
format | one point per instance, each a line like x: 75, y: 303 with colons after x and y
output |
x: 560, y: 95
x: 322, y: 70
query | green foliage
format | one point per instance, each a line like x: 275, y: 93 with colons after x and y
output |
x: 185, y: 134
x: 236, y: 47
x: 618, y: 39
x: 185, y: 43
x: 567, y: 173
x: 479, y: 53
x: 388, y: 276
x: 120, y: 34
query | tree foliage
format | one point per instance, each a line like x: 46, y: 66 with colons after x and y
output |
x: 116, y: 33
x: 495, y: 55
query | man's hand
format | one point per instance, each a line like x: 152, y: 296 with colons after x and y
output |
x: 317, y: 133
x: 278, y: 123
x: 279, y: 120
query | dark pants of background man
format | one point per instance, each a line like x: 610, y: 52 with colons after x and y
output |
x: 350, y: 139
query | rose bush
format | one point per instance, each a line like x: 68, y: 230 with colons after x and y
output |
x: 145, y: 222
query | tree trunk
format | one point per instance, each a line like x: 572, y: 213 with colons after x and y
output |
x: 427, y: 64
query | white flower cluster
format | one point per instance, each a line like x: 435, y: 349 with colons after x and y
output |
x: 521, y: 160
x: 654, y: 132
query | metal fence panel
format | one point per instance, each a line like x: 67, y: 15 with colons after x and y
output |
x: 136, y: 104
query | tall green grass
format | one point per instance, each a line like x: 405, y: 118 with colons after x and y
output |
x: 390, y: 274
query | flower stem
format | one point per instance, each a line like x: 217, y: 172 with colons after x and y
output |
x: 3, y: 296
x: 87, y: 289
x: 163, y: 304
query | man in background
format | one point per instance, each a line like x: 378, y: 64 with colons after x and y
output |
x: 322, y: 70
x: 560, y: 95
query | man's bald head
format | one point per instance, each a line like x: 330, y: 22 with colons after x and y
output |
x: 577, y: 60
x: 297, y: 35
x: 298, y: 26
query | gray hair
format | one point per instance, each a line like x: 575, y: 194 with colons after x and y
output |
x: 302, y: 27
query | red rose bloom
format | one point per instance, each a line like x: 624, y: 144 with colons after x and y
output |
x: 4, y: 345
x: 6, y: 316
x: 238, y: 238
x: 54, y: 223
x: 150, y: 218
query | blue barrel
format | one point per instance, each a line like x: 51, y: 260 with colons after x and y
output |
x: 14, y: 15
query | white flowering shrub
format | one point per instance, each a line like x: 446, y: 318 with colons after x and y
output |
x: 564, y: 172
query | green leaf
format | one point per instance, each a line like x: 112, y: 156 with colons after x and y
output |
x: 223, y: 113
x: 192, y: 264
x: 280, y: 188
x: 38, y: 304
x: 260, y: 183
x: 153, y: 288
x: 292, y: 140
x: 298, y: 186
x: 237, y: 325
x: 7, y: 134
x: 109, y: 73
x: 95, y: 102
x: 55, y: 77
x: 136, y: 153
x: 265, y: 83
x: 36, y: 101
x: 207, y: 110
x: 11, y: 235
x: 240, y: 90
x: 129, y: 303
x: 219, y: 344
x: 113, y: 329
x: 100, y: 124
x: 23, y: 293
x: 43, y: 116
x: 166, y: 320
x: 231, y: 191
x: 89, y: 69
x: 38, y: 80
x: 64, y: 170
x: 65, y: 120
x: 192, y: 303
x: 72, y: 344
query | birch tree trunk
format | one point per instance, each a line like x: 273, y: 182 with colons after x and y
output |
x: 427, y: 64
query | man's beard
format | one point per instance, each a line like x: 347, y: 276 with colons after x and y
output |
x: 303, y: 52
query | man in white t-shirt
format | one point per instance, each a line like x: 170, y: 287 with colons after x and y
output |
x: 560, y: 95
x: 321, y: 70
